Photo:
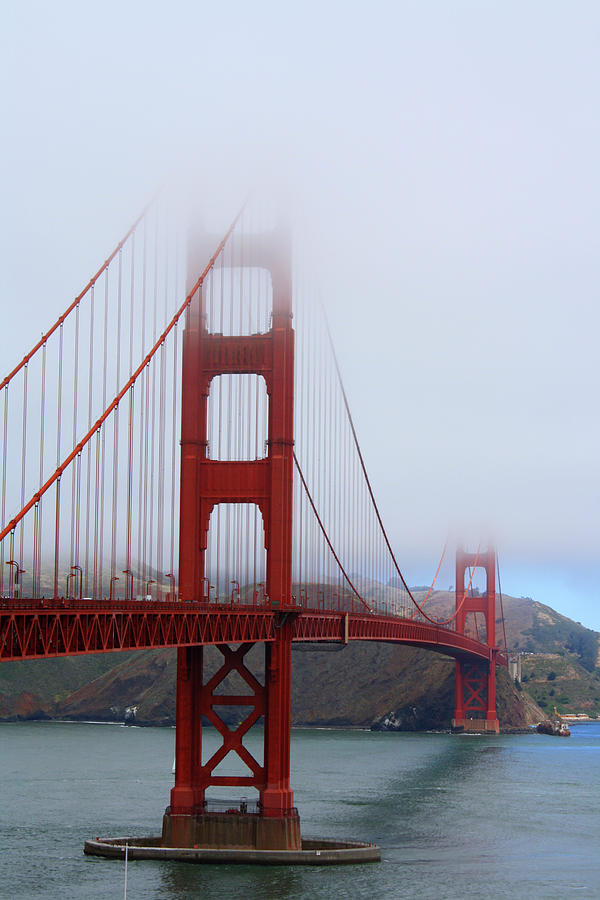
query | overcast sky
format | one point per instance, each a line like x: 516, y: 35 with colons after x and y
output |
x: 446, y: 157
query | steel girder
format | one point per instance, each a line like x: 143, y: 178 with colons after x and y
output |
x: 40, y: 629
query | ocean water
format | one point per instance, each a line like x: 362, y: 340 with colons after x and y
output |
x: 456, y: 816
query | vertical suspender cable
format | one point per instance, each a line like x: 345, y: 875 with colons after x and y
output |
x: 103, y: 440
x: 115, y: 472
x: 313, y: 455
x: 23, y: 460
x: 141, y: 472
x: 173, y: 461
x: 259, y: 418
x: 34, y: 570
x: 229, y: 426
x: 77, y: 514
x: 162, y: 429
x: 145, y: 529
x: 128, y: 576
x: 131, y: 302
x: 161, y: 474
x: 115, y: 478
x: 89, y: 447
x: 153, y: 415
x: 10, y: 568
x: 38, y: 554
x: 58, y: 430
x: 161, y: 444
x: 4, y: 457
x: 299, y: 427
x: 76, y: 471
x: 146, y: 421
x: 129, y: 586
x: 97, y: 587
x: 250, y: 513
x: 216, y: 385
x: 501, y: 605
x: 74, y: 431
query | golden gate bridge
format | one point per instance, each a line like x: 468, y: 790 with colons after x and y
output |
x: 180, y: 468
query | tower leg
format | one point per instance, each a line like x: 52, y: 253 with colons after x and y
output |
x: 276, y: 796
x: 475, y: 709
x: 192, y: 819
x: 459, y: 707
x: 491, y: 691
x: 187, y: 795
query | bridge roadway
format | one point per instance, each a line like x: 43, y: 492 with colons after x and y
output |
x: 38, y: 629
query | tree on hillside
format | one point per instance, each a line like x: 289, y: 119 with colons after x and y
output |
x: 585, y: 644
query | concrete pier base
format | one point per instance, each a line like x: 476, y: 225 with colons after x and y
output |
x: 475, y: 726
x: 312, y: 852
x: 232, y: 830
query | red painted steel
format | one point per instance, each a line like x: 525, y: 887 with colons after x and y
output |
x: 476, y: 681
x: 38, y: 629
x: 196, y: 699
x: 267, y: 483
x: 276, y: 795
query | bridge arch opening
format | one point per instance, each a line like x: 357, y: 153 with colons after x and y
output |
x: 236, y: 559
x: 237, y: 417
x: 475, y: 578
x: 238, y: 298
x: 475, y: 584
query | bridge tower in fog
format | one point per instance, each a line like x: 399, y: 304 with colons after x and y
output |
x: 475, y: 708
x: 267, y: 484
x: 287, y: 535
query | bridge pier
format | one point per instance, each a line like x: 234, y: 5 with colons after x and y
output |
x: 475, y: 708
x: 271, y: 823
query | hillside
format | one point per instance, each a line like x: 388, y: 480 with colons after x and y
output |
x: 557, y: 679
x: 353, y: 686
x: 37, y: 687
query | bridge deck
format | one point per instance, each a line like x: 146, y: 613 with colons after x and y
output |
x: 37, y: 629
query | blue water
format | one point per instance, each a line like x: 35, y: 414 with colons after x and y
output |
x: 508, y: 816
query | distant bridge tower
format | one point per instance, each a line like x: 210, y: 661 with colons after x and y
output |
x: 476, y: 681
x: 267, y: 483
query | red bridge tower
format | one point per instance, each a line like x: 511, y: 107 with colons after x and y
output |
x: 272, y: 823
x: 476, y: 681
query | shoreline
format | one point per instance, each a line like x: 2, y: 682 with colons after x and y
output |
x: 504, y: 730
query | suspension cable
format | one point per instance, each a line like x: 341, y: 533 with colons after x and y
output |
x: 437, y: 572
x: 325, y: 535
x: 371, y: 494
x: 501, y: 603
x: 115, y: 403
x: 77, y: 299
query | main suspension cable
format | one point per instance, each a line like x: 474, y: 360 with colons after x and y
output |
x: 371, y: 494
x: 437, y: 572
x: 61, y: 319
x: 326, y: 536
x: 501, y: 603
x: 55, y: 477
